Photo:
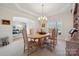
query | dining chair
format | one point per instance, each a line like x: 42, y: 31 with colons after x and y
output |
x: 32, y: 44
x: 51, y: 41
x: 29, y: 44
x: 54, y: 37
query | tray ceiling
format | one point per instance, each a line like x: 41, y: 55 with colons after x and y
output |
x: 35, y: 9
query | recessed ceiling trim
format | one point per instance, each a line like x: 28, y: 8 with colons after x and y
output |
x: 65, y: 9
x: 26, y: 11
x: 16, y: 12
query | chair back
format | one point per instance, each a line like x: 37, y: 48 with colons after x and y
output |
x: 24, y: 32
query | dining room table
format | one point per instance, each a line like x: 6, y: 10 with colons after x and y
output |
x: 39, y: 37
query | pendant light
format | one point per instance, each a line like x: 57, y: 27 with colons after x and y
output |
x: 42, y: 18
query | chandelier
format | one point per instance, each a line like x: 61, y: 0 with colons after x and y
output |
x: 42, y: 18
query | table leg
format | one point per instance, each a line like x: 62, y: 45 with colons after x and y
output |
x: 39, y: 43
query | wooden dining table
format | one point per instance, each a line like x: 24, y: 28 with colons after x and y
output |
x: 39, y: 37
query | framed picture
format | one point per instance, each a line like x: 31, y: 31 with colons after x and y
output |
x: 5, y: 22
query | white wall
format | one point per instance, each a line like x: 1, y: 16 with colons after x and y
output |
x: 6, y: 13
x: 67, y: 23
x: 6, y: 30
x: 31, y: 24
x: 14, y: 48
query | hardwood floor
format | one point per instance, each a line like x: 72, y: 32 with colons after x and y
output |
x: 58, y: 51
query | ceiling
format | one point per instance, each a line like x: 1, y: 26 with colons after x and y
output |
x: 35, y: 9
